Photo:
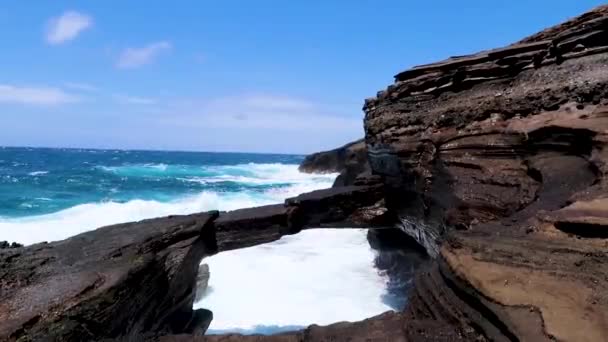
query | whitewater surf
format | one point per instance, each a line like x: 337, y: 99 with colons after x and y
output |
x: 52, y: 194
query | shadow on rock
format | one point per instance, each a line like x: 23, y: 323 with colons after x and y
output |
x: 398, y: 256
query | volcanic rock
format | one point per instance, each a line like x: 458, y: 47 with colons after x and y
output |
x: 350, y: 161
x: 496, y: 163
x: 112, y: 282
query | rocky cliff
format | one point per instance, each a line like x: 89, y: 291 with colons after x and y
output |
x: 496, y: 162
x: 350, y: 161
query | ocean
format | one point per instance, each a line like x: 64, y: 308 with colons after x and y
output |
x: 318, y: 276
x: 51, y: 194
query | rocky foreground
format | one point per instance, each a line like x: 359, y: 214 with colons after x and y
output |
x: 494, y: 163
x: 137, y: 281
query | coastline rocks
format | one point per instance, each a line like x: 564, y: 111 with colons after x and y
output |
x: 252, y: 226
x: 202, y: 282
x: 349, y: 160
x: 6, y: 244
x: 496, y: 163
x: 138, y: 281
x: 112, y: 282
x: 349, y: 206
x: 386, y: 327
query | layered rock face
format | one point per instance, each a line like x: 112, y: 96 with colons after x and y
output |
x: 496, y: 163
x: 117, y: 281
x: 350, y: 161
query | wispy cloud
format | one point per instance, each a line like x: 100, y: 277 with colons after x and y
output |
x: 134, y: 99
x: 259, y: 122
x: 137, y: 57
x: 264, y: 111
x: 267, y: 102
x: 42, y: 96
x: 67, y: 27
x: 81, y: 86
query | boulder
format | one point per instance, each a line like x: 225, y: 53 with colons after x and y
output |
x: 350, y: 161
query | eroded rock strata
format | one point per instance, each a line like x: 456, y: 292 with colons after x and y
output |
x: 495, y: 163
x: 350, y: 161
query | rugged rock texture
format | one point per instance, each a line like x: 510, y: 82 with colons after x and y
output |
x: 496, y: 163
x: 349, y: 206
x: 350, y: 161
x: 137, y: 281
x: 6, y: 244
x: 114, y: 282
x: 386, y: 327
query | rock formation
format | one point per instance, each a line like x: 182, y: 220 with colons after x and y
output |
x: 350, y: 161
x: 6, y: 244
x: 137, y: 281
x: 116, y: 281
x: 497, y: 163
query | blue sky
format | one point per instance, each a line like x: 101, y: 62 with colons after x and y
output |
x: 251, y: 76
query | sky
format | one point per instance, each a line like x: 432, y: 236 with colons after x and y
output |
x: 249, y: 76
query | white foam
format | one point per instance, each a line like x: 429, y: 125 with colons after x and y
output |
x: 84, y: 217
x: 314, y: 277
x: 38, y: 173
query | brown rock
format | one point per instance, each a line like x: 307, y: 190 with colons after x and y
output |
x: 496, y: 164
x: 349, y: 160
x: 108, y: 283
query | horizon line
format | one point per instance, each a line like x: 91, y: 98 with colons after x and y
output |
x: 148, y: 150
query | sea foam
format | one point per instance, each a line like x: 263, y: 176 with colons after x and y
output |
x: 84, y: 217
x: 318, y: 276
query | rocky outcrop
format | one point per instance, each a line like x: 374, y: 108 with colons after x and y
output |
x: 114, y: 282
x: 386, y: 327
x: 496, y: 163
x: 349, y: 206
x: 350, y: 161
x: 6, y: 244
x: 137, y: 281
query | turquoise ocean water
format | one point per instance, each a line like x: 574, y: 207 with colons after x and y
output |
x: 50, y: 194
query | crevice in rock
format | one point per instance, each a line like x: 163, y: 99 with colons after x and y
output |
x: 584, y: 230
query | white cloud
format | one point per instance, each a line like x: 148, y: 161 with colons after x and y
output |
x: 136, y: 57
x: 35, y: 95
x: 263, y: 111
x: 273, y: 102
x: 134, y: 99
x: 67, y: 27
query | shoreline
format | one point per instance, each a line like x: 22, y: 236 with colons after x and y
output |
x: 494, y: 164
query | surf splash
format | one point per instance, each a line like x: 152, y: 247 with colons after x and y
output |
x: 155, y: 190
x: 318, y: 276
